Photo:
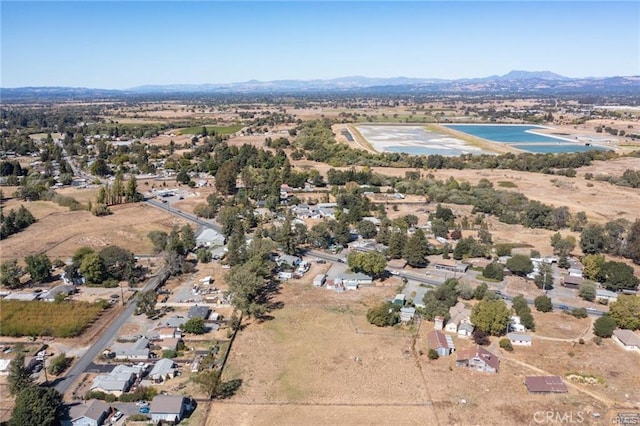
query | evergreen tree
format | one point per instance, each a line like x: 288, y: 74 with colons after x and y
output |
x: 397, y: 242
x: 416, y: 249
x: 19, y: 377
x: 188, y: 237
x: 36, y: 405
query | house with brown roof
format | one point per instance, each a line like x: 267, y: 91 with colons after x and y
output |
x: 459, y: 314
x: 545, y: 384
x: 479, y: 359
x: 629, y: 340
x: 440, y: 343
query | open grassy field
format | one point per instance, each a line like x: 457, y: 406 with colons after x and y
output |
x: 319, y: 362
x: 221, y: 130
x: 59, y: 232
x: 66, y: 319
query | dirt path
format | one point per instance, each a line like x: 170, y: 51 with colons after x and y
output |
x: 586, y: 334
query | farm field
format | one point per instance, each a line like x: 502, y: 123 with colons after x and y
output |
x: 66, y: 319
x: 320, y: 360
x: 220, y: 130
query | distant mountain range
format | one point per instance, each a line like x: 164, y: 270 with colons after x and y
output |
x: 515, y: 82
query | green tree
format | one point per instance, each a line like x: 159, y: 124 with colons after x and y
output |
x: 592, y: 239
x: 194, y: 326
x: 433, y: 354
x: 19, y: 377
x: 10, y: 274
x: 618, y: 276
x: 188, y: 237
x: 562, y: 246
x: 36, y: 405
x: 491, y: 316
x: 506, y: 344
x: 204, y: 255
x: 633, y: 242
x: 593, y: 263
x: 587, y: 291
x: 371, y: 263
x: 604, y: 326
x: 58, y: 364
x: 544, y: 277
x: 383, y: 315
x: 520, y: 264
x: 119, y: 263
x: 367, y: 229
x: 480, y: 291
x: 131, y: 191
x: 397, y: 242
x: 626, y: 312
x: 246, y: 289
x: 543, y: 304
x: 226, y: 177
x: 416, y: 249
x: 159, y: 240
x: 92, y: 268
x: 319, y: 236
x: 39, y: 267
x: 526, y: 319
x: 493, y: 270
x: 146, y: 303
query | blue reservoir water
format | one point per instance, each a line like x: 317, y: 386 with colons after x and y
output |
x: 519, y: 137
x: 503, y: 133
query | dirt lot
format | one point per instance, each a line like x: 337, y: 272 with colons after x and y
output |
x: 319, y: 360
x: 59, y: 232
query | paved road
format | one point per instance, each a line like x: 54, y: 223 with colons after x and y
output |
x: 336, y: 257
x: 105, y: 338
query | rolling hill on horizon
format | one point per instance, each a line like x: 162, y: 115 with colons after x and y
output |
x: 517, y: 82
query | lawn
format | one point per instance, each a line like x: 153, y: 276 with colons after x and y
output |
x: 220, y: 130
x: 66, y: 319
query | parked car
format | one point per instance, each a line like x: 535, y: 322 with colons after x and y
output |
x: 563, y: 307
x: 117, y: 416
x: 144, y: 410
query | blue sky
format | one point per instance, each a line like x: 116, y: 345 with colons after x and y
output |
x: 125, y: 44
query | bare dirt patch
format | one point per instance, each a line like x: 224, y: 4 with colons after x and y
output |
x: 319, y: 360
x: 59, y: 232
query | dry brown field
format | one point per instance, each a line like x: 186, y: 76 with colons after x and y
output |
x: 60, y: 232
x: 319, y: 362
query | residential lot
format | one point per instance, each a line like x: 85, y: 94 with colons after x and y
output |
x: 320, y: 360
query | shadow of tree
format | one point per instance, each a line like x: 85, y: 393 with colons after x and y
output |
x: 227, y: 389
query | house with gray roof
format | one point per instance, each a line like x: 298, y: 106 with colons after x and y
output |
x: 168, y: 408
x: 199, y: 311
x: 138, y: 350
x: 479, y: 359
x: 520, y: 339
x: 93, y: 413
x: 209, y: 238
x: 353, y: 281
x: 163, y: 370
x: 65, y: 289
x: 627, y: 339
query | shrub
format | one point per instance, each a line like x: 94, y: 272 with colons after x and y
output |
x: 433, y: 354
x: 383, y: 315
x: 579, y: 312
x: 543, y: 304
x: 168, y: 353
x: 58, y: 364
x: 604, y: 326
x: 506, y: 345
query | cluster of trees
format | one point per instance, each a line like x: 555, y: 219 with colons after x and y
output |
x: 618, y: 237
x: 385, y: 314
x: 34, y: 405
x: 491, y: 316
x: 372, y: 263
x: 175, y: 245
x: 613, y: 275
x: 116, y: 193
x: 105, y: 267
x: 15, y: 221
x: 543, y: 303
x: 630, y: 178
x: 522, y: 309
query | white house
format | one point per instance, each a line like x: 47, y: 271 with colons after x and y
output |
x: 167, y: 408
x: 459, y: 314
x: 163, y: 370
x: 465, y: 329
x: 519, y: 339
x: 138, y: 350
x: 92, y: 414
x: 607, y: 295
x: 406, y: 314
x: 209, y: 238
x: 629, y: 340
x: 319, y: 280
